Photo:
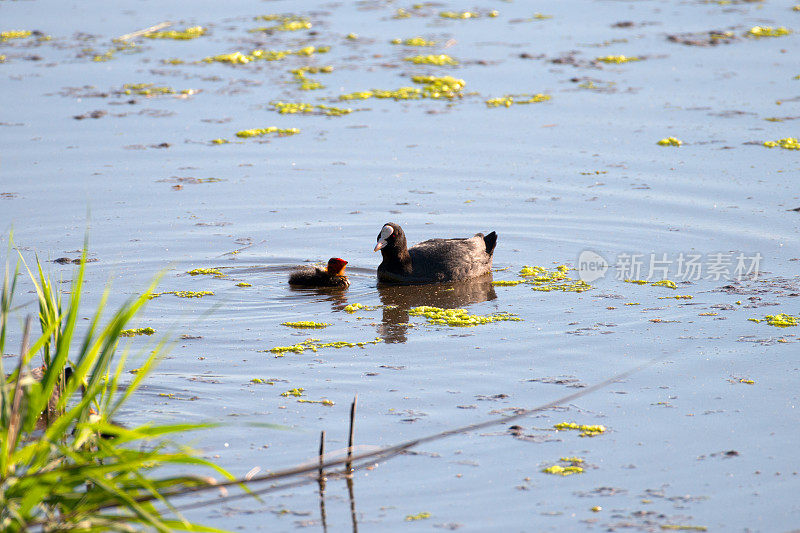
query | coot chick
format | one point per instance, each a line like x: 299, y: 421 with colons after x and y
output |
x: 434, y: 260
x: 316, y: 276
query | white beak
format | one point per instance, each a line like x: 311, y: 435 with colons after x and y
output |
x: 381, y: 244
x: 386, y: 231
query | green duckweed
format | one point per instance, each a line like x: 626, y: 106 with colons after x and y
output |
x: 670, y: 141
x: 787, y: 143
x: 508, y: 283
x: 352, y: 308
x: 768, y: 31
x: 419, y: 516
x: 665, y: 283
x: 136, y: 331
x: 781, y: 320
x: 586, y: 430
x: 2, y: 58
x: 617, y: 59
x: 679, y: 527
x: 206, y: 272
x: 14, y: 34
x: 260, y: 132
x: 238, y: 58
x: 459, y: 317
x: 556, y: 279
x: 220, y: 141
x: 432, y: 59
x: 243, y: 284
x: 314, y: 345
x: 297, y: 392
x: 325, y: 402
x: 463, y: 15
x: 569, y: 466
x: 289, y: 23
x: 677, y: 297
x: 511, y: 99
x: 306, y: 324
x: 181, y: 35
x: 414, y: 41
x: 285, y: 108
x: 636, y: 281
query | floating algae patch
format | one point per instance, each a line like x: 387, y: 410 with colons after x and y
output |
x: 136, y: 331
x: 306, y: 83
x: 315, y: 344
x: 567, y: 466
x: 324, y: 401
x: 180, y: 35
x: 768, y: 31
x: 2, y: 59
x: 220, y: 141
x: 680, y: 527
x: 260, y: 132
x: 432, y: 59
x: 440, y: 86
x: 637, y: 281
x: 293, y: 392
x: 586, y: 430
x: 669, y: 141
x: 459, y: 317
x: 118, y: 47
x: 677, y: 297
x: 508, y: 283
x: 238, y: 58
x: 181, y: 294
x: 243, y: 284
x: 14, y: 34
x: 618, y: 59
x: 511, y: 99
x: 781, y: 320
x: 463, y: 15
x: 419, y: 516
x: 285, y: 23
x: 414, y: 41
x: 665, y: 283
x: 352, y: 308
x: 206, y: 272
x: 556, y: 279
x: 290, y: 108
x: 306, y: 324
x: 787, y: 143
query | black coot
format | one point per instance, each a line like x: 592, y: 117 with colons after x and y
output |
x: 434, y: 260
x: 316, y: 276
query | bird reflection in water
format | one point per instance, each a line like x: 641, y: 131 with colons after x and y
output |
x: 398, y: 299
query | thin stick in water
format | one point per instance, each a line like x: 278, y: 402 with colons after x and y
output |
x: 349, y: 465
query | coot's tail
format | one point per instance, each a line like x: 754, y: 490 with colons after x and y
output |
x: 491, y: 242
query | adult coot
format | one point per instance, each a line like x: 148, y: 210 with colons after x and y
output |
x: 434, y: 260
x: 316, y: 276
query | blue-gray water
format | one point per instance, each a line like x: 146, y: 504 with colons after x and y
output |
x: 581, y: 171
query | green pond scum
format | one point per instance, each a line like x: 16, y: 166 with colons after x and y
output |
x: 432, y: 59
x: 678, y: 527
x: 324, y: 401
x: 352, y: 308
x: 239, y: 58
x: 315, y: 345
x: 299, y: 108
x: 414, y: 41
x: 181, y: 294
x: 511, y: 99
x: 306, y: 324
x: 617, y: 59
x: 459, y: 317
x: 243, y: 284
x: 544, y: 280
x: 260, y: 132
x: 781, y: 320
x: 463, y: 15
x: 136, y: 331
x: 14, y: 34
x: 419, y: 516
x: 768, y: 31
x: 787, y: 143
x: 567, y: 467
x: 293, y: 392
x: 217, y: 273
x: 285, y: 23
x: 586, y: 430
x: 180, y: 35
x: 669, y: 141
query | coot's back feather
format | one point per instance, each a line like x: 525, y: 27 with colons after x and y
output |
x: 433, y: 260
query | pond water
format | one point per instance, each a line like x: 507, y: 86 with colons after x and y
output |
x: 703, y: 437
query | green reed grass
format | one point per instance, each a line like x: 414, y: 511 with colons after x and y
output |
x: 64, y: 464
